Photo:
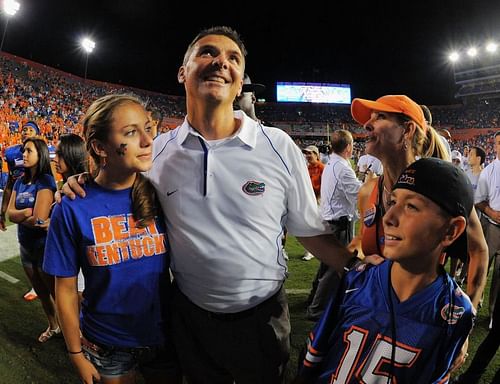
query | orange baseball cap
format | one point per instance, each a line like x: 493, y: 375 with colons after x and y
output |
x: 361, y: 109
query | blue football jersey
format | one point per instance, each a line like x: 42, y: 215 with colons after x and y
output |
x: 369, y: 336
x: 14, y: 158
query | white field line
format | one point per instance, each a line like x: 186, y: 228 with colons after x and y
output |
x: 8, y: 277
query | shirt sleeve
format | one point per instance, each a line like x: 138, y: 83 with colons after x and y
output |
x: 482, y: 191
x: 303, y: 216
x: 46, y: 182
x: 61, y: 249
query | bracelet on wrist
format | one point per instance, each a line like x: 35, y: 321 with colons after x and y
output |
x: 75, y: 353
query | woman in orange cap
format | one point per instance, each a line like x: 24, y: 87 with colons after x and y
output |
x: 398, y: 134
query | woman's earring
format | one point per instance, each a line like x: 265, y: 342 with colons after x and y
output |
x: 103, y: 162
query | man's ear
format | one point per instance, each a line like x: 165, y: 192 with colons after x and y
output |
x: 181, y: 78
x: 240, y: 89
x: 456, y: 227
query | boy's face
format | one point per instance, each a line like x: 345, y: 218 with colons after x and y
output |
x: 474, y: 159
x: 415, y: 229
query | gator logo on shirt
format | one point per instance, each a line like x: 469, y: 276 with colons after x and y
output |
x: 254, y: 188
x: 369, y: 216
x: 456, y: 314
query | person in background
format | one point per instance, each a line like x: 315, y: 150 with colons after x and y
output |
x: 71, y: 158
x: 156, y: 119
x: 368, y: 166
x: 484, y: 353
x: 30, y: 203
x: 456, y: 158
x: 248, y: 97
x: 315, y: 168
x: 14, y: 160
x: 465, y: 158
x: 487, y: 199
x: 445, y: 137
x: 116, y: 235
x: 476, y: 159
x: 457, y: 262
x: 339, y: 194
x: 405, y: 320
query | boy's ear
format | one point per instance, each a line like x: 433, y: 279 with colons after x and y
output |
x: 456, y: 228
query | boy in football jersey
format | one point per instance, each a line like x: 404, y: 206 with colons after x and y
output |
x: 405, y: 320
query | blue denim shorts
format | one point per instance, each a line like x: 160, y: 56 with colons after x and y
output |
x: 112, y: 362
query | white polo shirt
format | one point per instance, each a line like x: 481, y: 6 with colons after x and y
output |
x: 339, y: 189
x: 225, y: 207
x: 488, y: 187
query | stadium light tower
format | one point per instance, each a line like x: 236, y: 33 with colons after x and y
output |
x: 453, y: 57
x: 9, y: 8
x: 88, y: 46
x: 491, y: 47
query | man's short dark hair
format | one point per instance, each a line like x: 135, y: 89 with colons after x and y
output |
x: 340, y: 140
x: 480, y: 152
x: 219, y: 30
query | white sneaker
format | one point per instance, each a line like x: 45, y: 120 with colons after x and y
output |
x: 285, y: 255
x: 308, y: 256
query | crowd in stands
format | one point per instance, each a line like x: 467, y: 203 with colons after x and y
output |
x: 55, y: 100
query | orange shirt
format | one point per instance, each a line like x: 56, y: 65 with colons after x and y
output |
x: 315, y: 172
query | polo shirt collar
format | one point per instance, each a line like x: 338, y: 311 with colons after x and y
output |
x: 247, y: 132
x: 343, y: 160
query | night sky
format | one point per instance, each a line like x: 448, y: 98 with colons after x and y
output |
x: 381, y: 48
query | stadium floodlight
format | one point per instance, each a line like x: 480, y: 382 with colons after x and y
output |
x: 491, y: 47
x: 9, y: 8
x: 88, y: 46
x: 453, y: 57
x: 472, y: 52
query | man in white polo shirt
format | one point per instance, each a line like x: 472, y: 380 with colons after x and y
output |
x: 487, y: 199
x: 339, y: 195
x: 228, y: 186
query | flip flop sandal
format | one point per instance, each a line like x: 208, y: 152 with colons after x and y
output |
x: 48, y: 334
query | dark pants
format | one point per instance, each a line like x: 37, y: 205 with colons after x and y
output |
x: 327, y: 280
x: 485, y: 352
x: 249, y: 347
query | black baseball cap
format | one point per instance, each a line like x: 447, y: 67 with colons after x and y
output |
x: 248, y: 86
x: 447, y: 186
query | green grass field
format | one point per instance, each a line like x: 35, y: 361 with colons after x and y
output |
x: 25, y: 361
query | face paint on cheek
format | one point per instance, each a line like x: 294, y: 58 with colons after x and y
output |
x: 121, y: 151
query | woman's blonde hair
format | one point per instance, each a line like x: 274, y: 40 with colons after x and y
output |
x: 97, y: 124
x: 426, y: 143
